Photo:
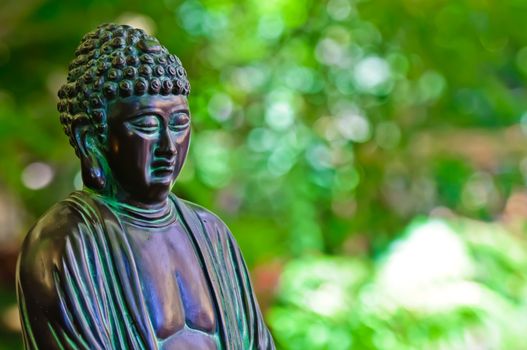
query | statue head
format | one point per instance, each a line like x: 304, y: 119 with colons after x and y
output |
x: 124, y: 108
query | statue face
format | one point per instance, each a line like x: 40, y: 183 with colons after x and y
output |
x: 148, y: 139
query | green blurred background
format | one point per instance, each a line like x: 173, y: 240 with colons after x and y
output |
x: 369, y: 156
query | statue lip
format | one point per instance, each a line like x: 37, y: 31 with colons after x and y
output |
x: 163, y: 165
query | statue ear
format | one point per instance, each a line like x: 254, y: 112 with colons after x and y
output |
x: 92, y: 164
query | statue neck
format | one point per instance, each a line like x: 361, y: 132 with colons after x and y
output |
x: 149, y: 215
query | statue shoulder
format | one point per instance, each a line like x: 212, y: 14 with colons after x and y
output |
x: 213, y: 225
x: 44, y: 244
x: 54, y: 225
x: 205, y: 215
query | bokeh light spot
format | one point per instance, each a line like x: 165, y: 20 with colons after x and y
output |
x: 431, y: 85
x: 220, y: 107
x: 371, y: 73
x: 355, y: 127
x: 270, y: 27
x: 280, y: 115
x: 37, y: 175
x: 329, y: 51
x: 261, y: 139
x: 339, y: 9
x: 387, y: 135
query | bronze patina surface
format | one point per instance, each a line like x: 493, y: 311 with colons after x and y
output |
x: 124, y: 263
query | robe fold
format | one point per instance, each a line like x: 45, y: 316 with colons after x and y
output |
x: 79, y: 287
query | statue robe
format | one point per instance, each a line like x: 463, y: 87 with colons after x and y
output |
x: 79, y: 288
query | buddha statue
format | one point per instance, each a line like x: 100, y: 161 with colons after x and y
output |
x: 124, y: 263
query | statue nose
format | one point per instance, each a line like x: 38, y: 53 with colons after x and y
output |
x: 167, y: 146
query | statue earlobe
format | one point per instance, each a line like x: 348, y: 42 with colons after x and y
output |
x: 92, y: 168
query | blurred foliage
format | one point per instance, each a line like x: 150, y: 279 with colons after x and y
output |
x: 440, y: 286
x: 321, y: 130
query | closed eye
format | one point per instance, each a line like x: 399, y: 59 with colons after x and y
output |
x: 179, y: 121
x: 148, y: 124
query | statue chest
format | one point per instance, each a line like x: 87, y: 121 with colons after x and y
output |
x: 176, y: 290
